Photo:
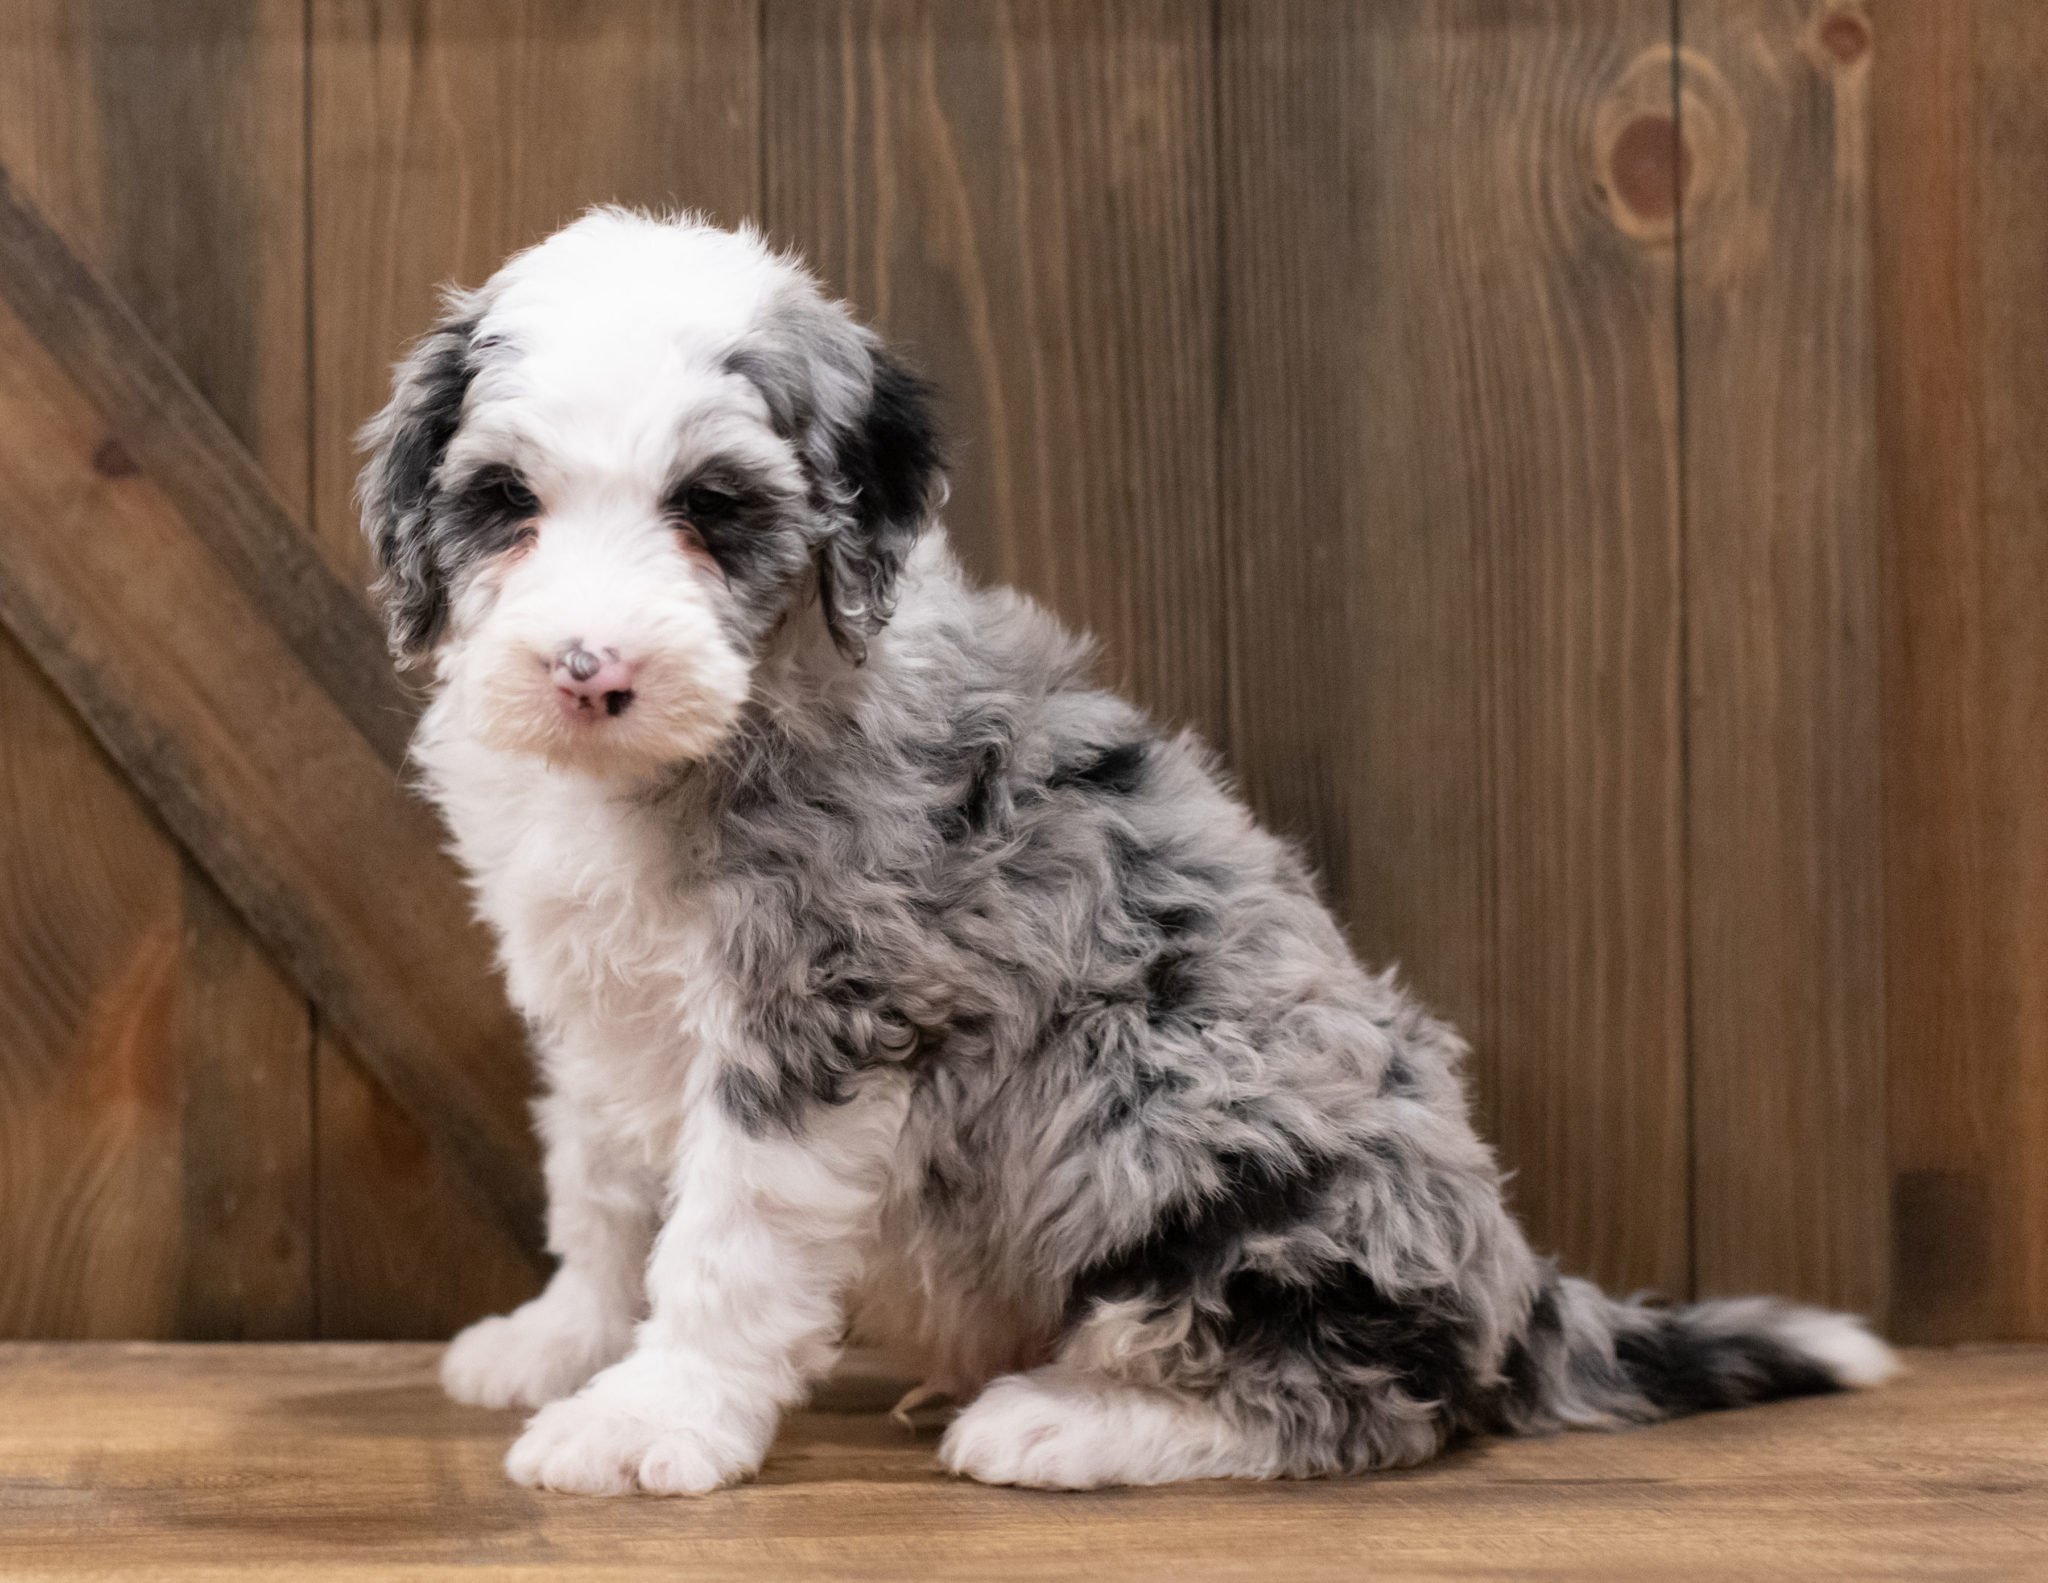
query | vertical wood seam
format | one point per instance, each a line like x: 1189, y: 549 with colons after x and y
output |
x: 316, y: 1317
x: 1228, y: 579
x: 316, y: 1269
x: 1225, y: 543
x: 762, y: 207
x: 1881, y: 878
x: 1682, y: 609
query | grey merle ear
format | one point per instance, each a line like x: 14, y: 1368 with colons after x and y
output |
x: 864, y: 427
x: 888, y: 463
x: 395, y: 491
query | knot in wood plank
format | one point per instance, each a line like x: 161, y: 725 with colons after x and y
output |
x: 1648, y: 167
x: 1642, y: 156
x: 1845, y: 35
x: 112, y: 459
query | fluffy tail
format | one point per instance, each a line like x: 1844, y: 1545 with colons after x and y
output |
x: 1589, y: 1360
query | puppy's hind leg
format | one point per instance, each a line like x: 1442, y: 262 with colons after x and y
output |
x: 1068, y: 1428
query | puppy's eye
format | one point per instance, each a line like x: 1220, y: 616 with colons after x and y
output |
x: 510, y: 495
x: 705, y: 503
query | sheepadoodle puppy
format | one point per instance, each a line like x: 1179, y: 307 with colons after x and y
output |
x: 887, y: 975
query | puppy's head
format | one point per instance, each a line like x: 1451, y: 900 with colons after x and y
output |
x: 610, y: 475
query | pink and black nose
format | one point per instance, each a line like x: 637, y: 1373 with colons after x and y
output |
x: 593, y: 684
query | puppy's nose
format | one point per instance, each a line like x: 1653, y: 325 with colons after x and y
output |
x: 590, y: 683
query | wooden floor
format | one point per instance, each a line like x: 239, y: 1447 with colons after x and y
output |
x: 333, y: 1460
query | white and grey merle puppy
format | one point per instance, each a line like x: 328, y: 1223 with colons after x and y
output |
x: 887, y: 974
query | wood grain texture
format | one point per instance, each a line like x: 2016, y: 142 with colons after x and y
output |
x: 1694, y: 767
x: 90, y: 1225
x: 156, y: 420
x: 1450, y: 490
x: 1962, y: 288
x: 1782, y: 706
x: 444, y: 136
x: 346, y: 1461
x: 405, y: 1254
x: 243, y: 1036
x: 1022, y: 196
x: 157, y: 1131
x: 300, y: 823
x: 167, y: 149
x: 1357, y: 600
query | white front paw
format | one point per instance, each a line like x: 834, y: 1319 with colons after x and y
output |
x: 524, y: 1359
x: 597, y: 1444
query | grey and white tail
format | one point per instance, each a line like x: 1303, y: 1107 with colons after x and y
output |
x: 1590, y: 1360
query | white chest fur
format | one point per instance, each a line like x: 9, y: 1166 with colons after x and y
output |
x: 606, y: 942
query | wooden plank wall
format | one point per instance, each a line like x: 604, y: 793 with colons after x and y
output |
x: 1784, y: 818
x: 1961, y: 140
x: 1453, y: 417
x: 155, y: 1092
x: 1575, y: 458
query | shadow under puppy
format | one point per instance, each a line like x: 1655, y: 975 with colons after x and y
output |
x: 884, y: 971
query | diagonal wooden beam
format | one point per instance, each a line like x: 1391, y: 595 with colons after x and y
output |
x: 157, y: 420
x: 145, y: 567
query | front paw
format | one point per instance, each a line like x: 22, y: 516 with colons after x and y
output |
x: 522, y: 1359
x: 589, y: 1445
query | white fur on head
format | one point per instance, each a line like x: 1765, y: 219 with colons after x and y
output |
x: 651, y: 440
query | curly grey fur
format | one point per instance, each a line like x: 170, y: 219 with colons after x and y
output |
x: 1161, y: 1115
